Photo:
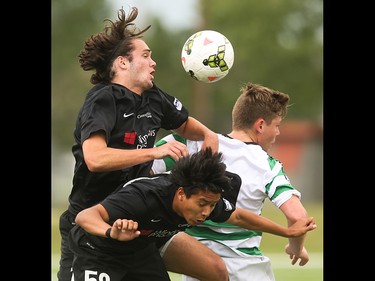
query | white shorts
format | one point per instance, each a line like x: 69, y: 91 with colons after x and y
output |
x: 240, y: 265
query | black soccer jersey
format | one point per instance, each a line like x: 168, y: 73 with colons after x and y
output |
x: 149, y: 202
x: 129, y: 121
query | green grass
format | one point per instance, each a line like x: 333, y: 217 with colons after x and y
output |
x: 272, y: 246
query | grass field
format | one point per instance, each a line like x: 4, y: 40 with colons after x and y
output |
x: 272, y: 246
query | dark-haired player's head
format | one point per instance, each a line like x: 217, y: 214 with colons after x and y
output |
x: 202, y: 171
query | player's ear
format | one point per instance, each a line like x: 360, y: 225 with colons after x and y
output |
x: 121, y: 61
x: 180, y: 192
x: 259, y: 123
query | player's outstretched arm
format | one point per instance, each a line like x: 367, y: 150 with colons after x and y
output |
x: 192, y: 129
x: 249, y: 220
x: 293, y: 210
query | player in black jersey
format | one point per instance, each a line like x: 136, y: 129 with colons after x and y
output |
x: 118, y: 239
x: 118, y: 122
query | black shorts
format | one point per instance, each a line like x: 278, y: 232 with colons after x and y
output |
x: 66, y: 223
x: 91, y: 263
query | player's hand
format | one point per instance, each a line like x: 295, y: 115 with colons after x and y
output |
x: 211, y: 140
x: 124, y: 230
x: 174, y: 149
x: 303, y: 256
x: 301, y: 226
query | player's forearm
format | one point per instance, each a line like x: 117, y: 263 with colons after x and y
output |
x: 92, y: 221
x: 294, y: 211
x: 192, y: 129
x: 112, y: 159
x: 296, y: 244
x: 248, y: 220
x: 101, y: 158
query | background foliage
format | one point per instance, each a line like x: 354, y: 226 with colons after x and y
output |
x: 277, y: 43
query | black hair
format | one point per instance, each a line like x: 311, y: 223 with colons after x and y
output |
x: 201, y: 171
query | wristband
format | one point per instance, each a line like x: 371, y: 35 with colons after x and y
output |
x: 108, y: 233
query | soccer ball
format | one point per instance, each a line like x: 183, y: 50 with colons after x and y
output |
x: 207, y: 56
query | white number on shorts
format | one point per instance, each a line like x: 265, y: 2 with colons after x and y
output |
x: 102, y: 276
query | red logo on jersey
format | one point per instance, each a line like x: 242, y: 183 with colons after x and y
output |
x: 130, y: 137
x: 146, y: 232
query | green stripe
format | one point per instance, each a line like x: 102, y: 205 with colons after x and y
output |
x: 179, y: 138
x: 251, y: 251
x: 281, y: 173
x: 281, y: 189
x: 271, y: 161
x: 219, y: 224
x: 169, y: 161
x: 207, y: 233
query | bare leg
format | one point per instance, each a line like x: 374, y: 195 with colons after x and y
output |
x: 186, y: 255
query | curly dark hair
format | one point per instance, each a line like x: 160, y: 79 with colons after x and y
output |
x: 201, y: 171
x: 101, y: 49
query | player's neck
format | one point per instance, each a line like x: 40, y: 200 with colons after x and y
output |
x: 242, y: 136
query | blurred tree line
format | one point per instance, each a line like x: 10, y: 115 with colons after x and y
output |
x: 277, y: 43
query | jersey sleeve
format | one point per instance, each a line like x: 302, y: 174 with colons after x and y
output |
x: 165, y: 164
x: 97, y: 115
x: 222, y: 211
x: 279, y: 187
x: 175, y: 113
x: 125, y: 204
x: 225, y: 207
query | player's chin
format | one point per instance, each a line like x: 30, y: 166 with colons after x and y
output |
x: 199, y: 222
x: 195, y: 222
x: 149, y: 83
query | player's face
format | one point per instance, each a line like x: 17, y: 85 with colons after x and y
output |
x: 269, y: 133
x: 142, y: 67
x: 198, y: 207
